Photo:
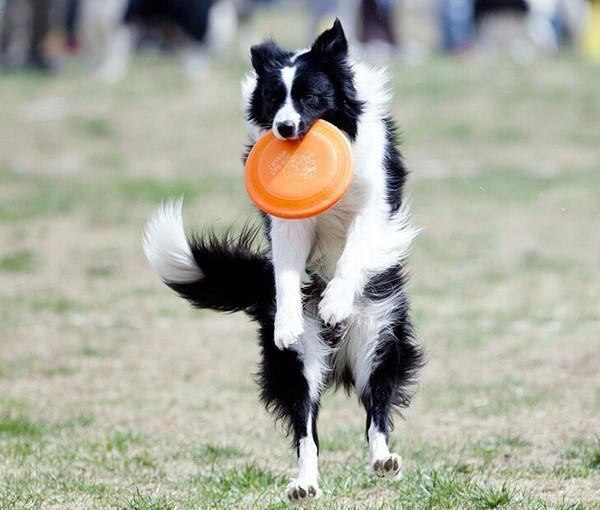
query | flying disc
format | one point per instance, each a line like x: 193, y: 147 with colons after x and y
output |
x: 299, y: 178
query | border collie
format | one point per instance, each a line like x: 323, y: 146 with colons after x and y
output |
x: 329, y: 292
x: 110, y: 28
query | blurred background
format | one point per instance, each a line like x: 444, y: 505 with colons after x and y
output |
x: 114, y: 394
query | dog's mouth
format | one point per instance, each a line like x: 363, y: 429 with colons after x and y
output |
x: 285, y: 132
x: 291, y: 138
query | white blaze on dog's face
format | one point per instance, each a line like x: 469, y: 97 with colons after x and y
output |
x: 286, y: 123
x: 293, y: 90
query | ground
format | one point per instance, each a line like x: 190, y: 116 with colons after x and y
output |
x: 114, y: 394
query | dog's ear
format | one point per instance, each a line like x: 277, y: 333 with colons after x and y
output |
x: 265, y: 56
x: 332, y: 43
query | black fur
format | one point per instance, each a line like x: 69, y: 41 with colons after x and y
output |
x: 227, y: 261
x: 283, y: 387
x: 394, y: 167
x: 401, y: 358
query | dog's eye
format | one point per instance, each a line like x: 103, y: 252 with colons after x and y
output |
x: 310, y: 99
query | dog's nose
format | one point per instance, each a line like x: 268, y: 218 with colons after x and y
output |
x: 286, y: 129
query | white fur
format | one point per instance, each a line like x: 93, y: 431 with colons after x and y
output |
x: 351, y: 242
x: 378, y: 448
x: 166, y: 246
x: 287, y: 113
x: 314, y: 353
x: 308, y: 471
x: 292, y: 241
x: 248, y: 85
x: 370, y: 241
x: 381, y: 461
x: 308, y: 462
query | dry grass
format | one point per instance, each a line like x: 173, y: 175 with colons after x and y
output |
x: 115, y: 394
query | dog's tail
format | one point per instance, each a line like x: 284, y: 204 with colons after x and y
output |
x: 226, y: 273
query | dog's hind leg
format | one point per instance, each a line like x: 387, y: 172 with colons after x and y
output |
x: 291, y: 384
x: 384, y: 369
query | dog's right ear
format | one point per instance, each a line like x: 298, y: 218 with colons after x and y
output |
x: 265, y: 56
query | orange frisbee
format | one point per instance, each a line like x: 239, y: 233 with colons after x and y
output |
x: 299, y: 178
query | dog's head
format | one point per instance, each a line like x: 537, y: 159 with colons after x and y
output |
x: 294, y: 89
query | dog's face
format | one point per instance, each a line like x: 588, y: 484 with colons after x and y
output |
x: 293, y: 90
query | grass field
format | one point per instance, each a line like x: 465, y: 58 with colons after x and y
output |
x: 115, y: 395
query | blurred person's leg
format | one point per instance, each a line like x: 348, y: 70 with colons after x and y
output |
x: 456, y: 24
x: 377, y: 21
x: 222, y: 25
x: 118, y: 54
x: 572, y: 15
x: 40, y: 25
x: 5, y: 7
x: 542, y: 28
x: 7, y: 31
x: 73, y: 9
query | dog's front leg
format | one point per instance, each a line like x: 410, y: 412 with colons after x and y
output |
x: 291, y: 241
x: 351, y: 271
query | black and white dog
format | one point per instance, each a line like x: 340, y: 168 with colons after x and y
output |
x: 329, y: 295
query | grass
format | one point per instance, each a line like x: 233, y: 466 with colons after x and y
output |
x: 21, y: 261
x: 117, y: 395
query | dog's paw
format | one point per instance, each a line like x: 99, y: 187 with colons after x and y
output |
x: 288, y: 328
x: 301, y: 491
x: 388, y: 467
x: 337, y: 302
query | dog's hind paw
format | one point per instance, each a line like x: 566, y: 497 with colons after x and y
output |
x: 299, y: 491
x: 389, y: 467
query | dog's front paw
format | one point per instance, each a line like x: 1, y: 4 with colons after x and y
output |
x: 301, y: 491
x: 337, y: 302
x: 288, y: 328
x: 389, y: 467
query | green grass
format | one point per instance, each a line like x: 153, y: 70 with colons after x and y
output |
x: 22, y: 261
x: 20, y: 427
x: 142, y: 502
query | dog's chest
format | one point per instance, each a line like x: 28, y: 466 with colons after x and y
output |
x: 331, y: 233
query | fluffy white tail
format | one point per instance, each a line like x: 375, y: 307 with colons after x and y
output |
x: 166, y: 246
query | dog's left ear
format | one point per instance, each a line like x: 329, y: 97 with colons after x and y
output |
x: 332, y: 43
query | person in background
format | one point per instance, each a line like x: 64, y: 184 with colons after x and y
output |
x: 37, y: 31
x: 377, y: 20
x: 72, y: 13
x: 457, y: 25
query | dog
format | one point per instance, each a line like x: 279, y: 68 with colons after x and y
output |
x: 111, y: 27
x: 329, y: 292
